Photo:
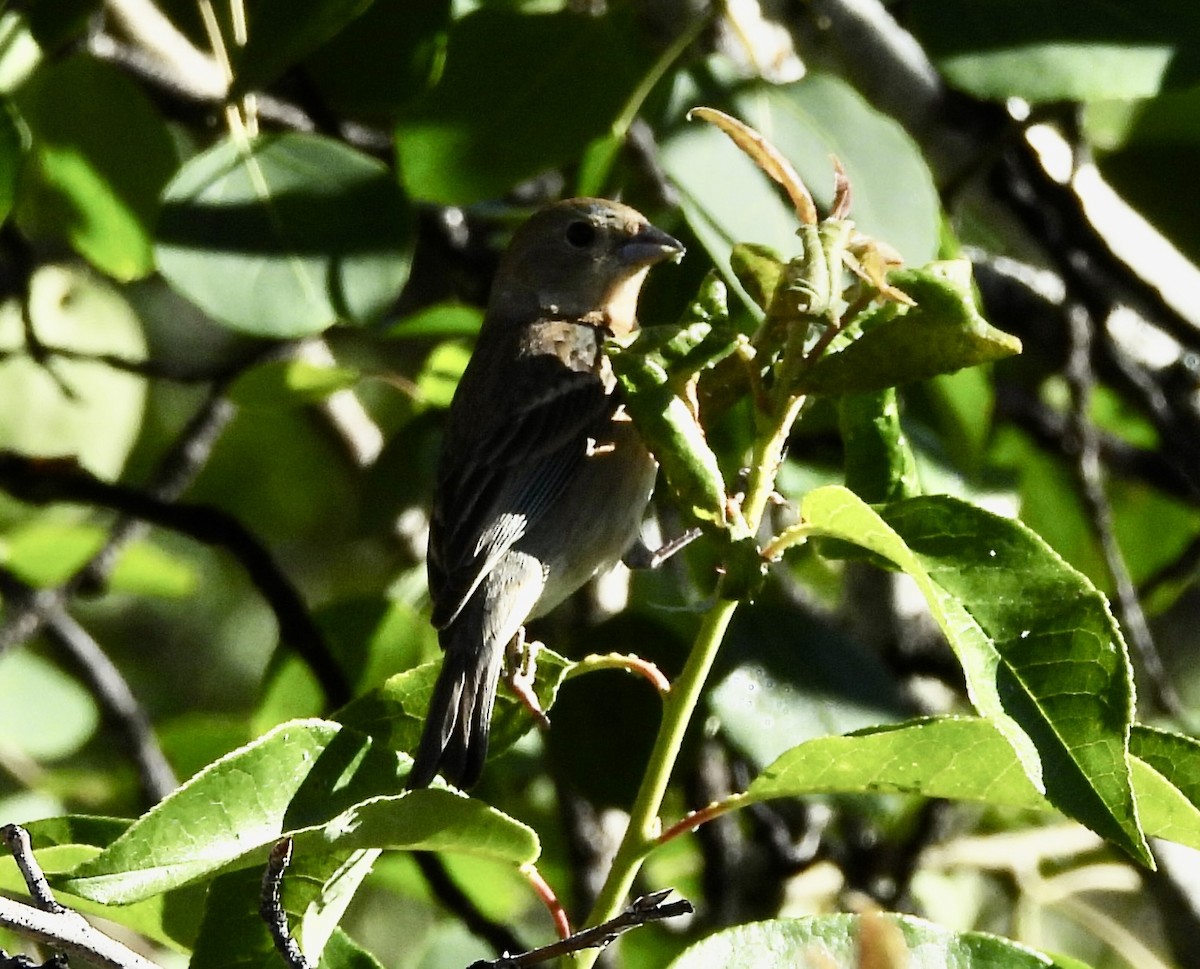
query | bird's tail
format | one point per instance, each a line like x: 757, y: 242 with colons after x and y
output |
x: 455, y: 739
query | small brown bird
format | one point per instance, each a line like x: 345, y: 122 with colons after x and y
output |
x: 542, y: 479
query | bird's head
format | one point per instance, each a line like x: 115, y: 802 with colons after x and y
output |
x: 580, y: 257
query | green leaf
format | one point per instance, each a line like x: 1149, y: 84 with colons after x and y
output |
x: 44, y: 714
x: 483, y: 127
x: 1166, y: 772
x: 343, y: 952
x: 289, y: 383
x: 727, y: 200
x: 439, y: 321
x: 657, y: 372
x: 787, y: 686
x: 968, y: 759
x: 837, y: 941
x: 943, y: 333
x: 61, y: 844
x: 879, y: 461
x: 284, y: 236
x: 1045, y: 50
x: 383, y: 58
x: 331, y: 789
x: 73, y: 407
x: 439, y: 374
x: 1043, y: 657
x: 100, y: 157
x: 958, y: 758
x: 759, y: 269
x: 233, y: 935
x: 49, y: 549
x: 282, y: 32
x: 394, y: 714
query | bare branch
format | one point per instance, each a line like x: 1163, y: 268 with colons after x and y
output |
x: 53, y: 925
x: 44, y: 482
x: 444, y: 889
x: 271, y: 905
x: 109, y: 686
x: 648, y: 908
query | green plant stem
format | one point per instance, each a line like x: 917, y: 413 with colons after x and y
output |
x: 768, y: 456
x: 640, y: 836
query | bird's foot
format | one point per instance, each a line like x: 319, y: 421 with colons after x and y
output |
x: 520, y: 663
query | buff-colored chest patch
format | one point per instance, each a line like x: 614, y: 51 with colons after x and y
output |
x: 577, y: 345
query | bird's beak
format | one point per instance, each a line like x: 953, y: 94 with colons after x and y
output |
x: 649, y: 246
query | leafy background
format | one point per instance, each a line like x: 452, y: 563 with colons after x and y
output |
x: 250, y: 342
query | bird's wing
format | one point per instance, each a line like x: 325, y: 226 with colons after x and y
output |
x: 516, y: 469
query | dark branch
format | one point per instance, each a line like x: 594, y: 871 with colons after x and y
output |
x: 498, y: 936
x: 54, y: 925
x: 1090, y: 475
x: 42, y: 482
x: 110, y: 688
x: 648, y: 908
x: 16, y: 839
x: 271, y: 905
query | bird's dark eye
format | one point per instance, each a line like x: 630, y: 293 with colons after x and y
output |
x: 581, y: 234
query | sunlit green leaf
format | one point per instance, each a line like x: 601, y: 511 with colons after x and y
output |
x: 1043, y: 657
x: 72, y: 408
x: 49, y: 549
x: 943, y: 333
x: 331, y: 789
x: 44, y: 714
x: 101, y: 155
x: 284, y: 236
x: 1044, y: 50
x: 836, y: 941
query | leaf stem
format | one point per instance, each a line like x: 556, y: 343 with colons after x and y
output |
x: 678, y: 706
x: 644, y: 830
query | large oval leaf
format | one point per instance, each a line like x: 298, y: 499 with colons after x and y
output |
x: 100, y: 157
x: 519, y: 94
x: 841, y: 942
x: 330, y: 788
x: 74, y: 408
x: 967, y: 759
x: 1043, y: 657
x: 284, y: 235
x: 1048, y: 50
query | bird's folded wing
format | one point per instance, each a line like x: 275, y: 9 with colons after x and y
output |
x: 517, y: 469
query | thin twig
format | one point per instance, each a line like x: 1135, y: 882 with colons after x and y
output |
x: 270, y: 905
x: 53, y: 925
x: 110, y: 688
x: 17, y: 840
x: 648, y: 908
x: 1090, y: 475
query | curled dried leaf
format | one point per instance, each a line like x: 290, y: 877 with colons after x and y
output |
x: 871, y: 260
x: 766, y: 156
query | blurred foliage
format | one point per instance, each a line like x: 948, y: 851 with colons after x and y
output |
x: 243, y: 255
